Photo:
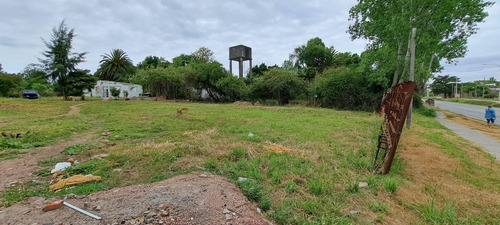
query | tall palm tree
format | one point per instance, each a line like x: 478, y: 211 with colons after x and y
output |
x: 115, y: 65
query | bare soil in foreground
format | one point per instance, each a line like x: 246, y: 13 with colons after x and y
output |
x: 197, y: 198
x: 21, y: 169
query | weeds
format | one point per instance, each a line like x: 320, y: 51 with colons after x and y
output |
x: 378, y: 207
x: 391, y: 185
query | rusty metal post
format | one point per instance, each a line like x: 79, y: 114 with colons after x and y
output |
x: 395, y: 105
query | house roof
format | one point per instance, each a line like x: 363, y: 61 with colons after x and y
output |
x: 116, y: 82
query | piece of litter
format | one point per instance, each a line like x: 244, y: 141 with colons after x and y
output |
x: 242, y: 179
x: 354, y: 212
x: 362, y: 185
x: 82, y: 211
x: 60, y: 167
x: 74, y: 180
x: 250, y: 134
x: 53, y: 205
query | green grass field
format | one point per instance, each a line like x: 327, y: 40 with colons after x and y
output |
x: 315, y: 182
x: 473, y: 101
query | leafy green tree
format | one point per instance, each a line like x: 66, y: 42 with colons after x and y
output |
x: 170, y: 82
x: 346, y: 88
x: 443, y: 28
x: 232, y: 88
x: 278, y: 84
x: 59, y: 59
x: 443, y: 85
x: 153, y: 62
x: 115, y: 66
x: 207, y: 76
x: 35, y: 78
x: 345, y: 59
x: 35, y: 71
x: 9, y: 83
x: 203, y: 55
x: 80, y: 80
x: 183, y: 60
x: 314, y: 55
x: 259, y: 70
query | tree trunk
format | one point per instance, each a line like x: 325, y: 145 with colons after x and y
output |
x: 398, y: 61
x: 412, y: 74
x: 407, y: 58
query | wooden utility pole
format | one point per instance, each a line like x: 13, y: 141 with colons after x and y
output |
x: 412, y: 72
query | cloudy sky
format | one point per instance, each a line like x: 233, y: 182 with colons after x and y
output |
x: 173, y: 27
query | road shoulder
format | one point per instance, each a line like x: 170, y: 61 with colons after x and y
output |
x: 488, y: 143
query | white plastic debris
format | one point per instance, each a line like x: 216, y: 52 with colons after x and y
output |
x: 242, y: 179
x: 250, y: 134
x: 60, y: 167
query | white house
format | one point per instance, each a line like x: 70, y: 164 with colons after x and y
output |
x: 102, y: 89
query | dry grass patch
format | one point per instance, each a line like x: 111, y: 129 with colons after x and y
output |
x: 459, y: 175
x: 475, y: 124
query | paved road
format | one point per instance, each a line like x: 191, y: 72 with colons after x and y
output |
x: 473, y: 111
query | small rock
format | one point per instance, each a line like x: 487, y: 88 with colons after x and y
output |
x: 97, y: 208
x: 242, y: 179
x: 146, y: 212
x: 354, y: 212
x: 71, y: 196
x: 362, y: 185
x: 228, y: 216
x: 85, y: 205
x: 165, y: 213
x: 99, y: 156
x: 164, y: 206
x: 203, y: 175
x: 259, y: 211
x: 226, y: 211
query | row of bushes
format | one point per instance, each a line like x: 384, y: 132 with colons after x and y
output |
x: 343, y: 88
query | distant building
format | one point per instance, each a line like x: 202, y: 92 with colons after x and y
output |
x: 102, y: 89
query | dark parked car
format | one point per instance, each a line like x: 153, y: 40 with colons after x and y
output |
x: 31, y: 94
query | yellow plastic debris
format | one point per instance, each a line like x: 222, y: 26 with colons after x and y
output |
x: 74, y: 180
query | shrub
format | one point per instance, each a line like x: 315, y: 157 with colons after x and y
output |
x: 424, y: 111
x: 278, y: 84
x: 114, y: 92
x: 417, y: 102
x: 345, y: 88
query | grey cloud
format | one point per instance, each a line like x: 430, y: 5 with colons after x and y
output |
x: 169, y: 28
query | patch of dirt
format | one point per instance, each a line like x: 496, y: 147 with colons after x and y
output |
x: 20, y: 169
x: 5, y: 124
x: 198, y: 198
x: 238, y: 103
x: 9, y: 106
x: 74, y: 110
